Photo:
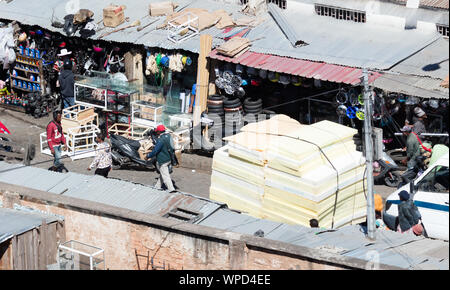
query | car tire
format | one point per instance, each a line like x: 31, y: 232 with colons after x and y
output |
x: 231, y: 101
x: 215, y: 97
x: 259, y: 107
x: 250, y: 102
x: 211, y: 106
x: 233, y: 110
x: 214, y: 110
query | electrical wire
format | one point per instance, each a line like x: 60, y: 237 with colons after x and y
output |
x: 320, y: 149
x: 308, y: 97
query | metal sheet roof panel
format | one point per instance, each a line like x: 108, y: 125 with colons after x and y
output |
x: 16, y: 222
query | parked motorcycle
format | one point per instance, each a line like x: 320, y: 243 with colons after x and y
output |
x: 386, y: 170
x: 124, y: 152
x: 410, y: 175
x: 4, y: 130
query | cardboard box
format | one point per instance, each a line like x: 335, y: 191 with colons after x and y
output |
x: 160, y: 9
x: 113, y: 15
x: 152, y: 114
x: 134, y: 67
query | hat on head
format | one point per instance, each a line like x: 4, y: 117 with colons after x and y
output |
x: 160, y: 128
x: 406, y: 129
x: 403, y: 195
x: 378, y: 202
x: 419, y: 112
x: 64, y: 52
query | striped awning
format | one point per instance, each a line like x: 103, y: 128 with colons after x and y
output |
x: 303, y: 68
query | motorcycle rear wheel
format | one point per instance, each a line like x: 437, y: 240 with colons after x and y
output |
x: 394, y: 181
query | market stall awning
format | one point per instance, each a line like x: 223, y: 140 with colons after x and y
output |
x: 303, y: 68
x: 422, y: 87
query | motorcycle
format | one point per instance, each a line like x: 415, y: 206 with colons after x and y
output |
x: 414, y: 173
x: 386, y: 170
x: 124, y: 152
x: 4, y: 130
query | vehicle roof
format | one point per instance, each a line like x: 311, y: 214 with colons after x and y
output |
x: 443, y: 160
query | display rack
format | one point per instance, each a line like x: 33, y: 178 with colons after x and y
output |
x: 80, y: 142
x: 27, y: 75
x: 146, y: 113
x: 77, y: 116
x: 183, y: 27
x: 130, y: 131
x: 106, y: 94
x: 74, y: 255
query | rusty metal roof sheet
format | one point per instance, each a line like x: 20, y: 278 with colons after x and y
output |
x: 299, y: 67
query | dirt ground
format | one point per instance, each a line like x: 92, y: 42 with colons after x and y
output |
x: 194, y: 176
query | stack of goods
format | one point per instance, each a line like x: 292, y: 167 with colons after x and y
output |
x: 77, y: 116
x: 162, y: 8
x: 253, y: 106
x: 113, y: 15
x: 234, y: 47
x: 233, y: 116
x: 216, y: 113
x: 284, y: 171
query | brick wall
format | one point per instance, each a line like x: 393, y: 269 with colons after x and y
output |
x: 135, y: 241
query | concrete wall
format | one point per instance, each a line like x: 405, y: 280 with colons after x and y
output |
x: 133, y: 240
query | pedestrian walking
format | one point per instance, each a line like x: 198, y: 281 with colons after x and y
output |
x: 56, y: 140
x: 66, y: 81
x: 103, y: 159
x: 163, y: 149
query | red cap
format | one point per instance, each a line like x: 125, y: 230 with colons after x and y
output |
x: 160, y: 128
x: 63, y: 44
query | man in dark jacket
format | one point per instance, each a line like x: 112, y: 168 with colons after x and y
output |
x: 162, y: 151
x: 412, y: 152
x: 66, y: 82
x: 408, y: 214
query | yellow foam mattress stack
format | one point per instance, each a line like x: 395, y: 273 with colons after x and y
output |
x: 275, y: 170
x: 238, y: 183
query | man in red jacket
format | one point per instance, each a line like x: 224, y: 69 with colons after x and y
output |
x: 55, y: 138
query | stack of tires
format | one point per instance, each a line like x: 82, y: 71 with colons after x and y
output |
x: 233, y: 116
x: 216, y: 113
x: 252, y: 108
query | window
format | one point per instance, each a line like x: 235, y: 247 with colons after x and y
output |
x: 435, y: 181
x: 340, y: 13
x: 442, y: 29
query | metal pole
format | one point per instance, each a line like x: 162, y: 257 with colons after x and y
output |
x: 369, y: 156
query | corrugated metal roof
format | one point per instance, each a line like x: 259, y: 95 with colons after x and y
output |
x: 16, y: 222
x: 37, y: 13
x: 411, y: 85
x: 109, y: 191
x: 303, y: 68
x: 436, y: 54
x: 348, y: 241
x: 395, y: 249
x: 429, y: 3
x: 330, y: 40
x: 386, y: 7
x: 333, y: 41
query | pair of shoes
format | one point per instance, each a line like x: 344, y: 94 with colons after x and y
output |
x: 173, y: 191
